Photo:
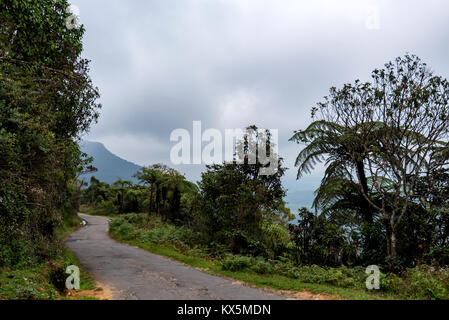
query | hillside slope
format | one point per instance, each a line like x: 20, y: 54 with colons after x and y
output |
x: 110, y: 167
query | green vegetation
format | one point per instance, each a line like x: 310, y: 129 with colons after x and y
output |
x: 46, y: 101
x: 45, y: 281
x: 154, y: 235
x: 385, y: 189
x: 233, y: 209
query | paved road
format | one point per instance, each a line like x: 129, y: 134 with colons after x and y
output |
x: 132, y: 273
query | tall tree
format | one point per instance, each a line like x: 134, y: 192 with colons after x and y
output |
x: 121, y: 186
x: 398, y: 129
x: 151, y: 177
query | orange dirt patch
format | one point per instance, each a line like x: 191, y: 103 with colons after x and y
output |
x: 102, y: 292
x: 302, y: 295
x: 306, y: 295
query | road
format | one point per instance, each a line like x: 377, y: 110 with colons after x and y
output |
x: 134, y: 274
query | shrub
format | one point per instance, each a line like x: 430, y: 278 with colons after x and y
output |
x: 217, y: 249
x: 236, y: 263
x: 276, y: 239
x: 16, y: 252
x: 26, y: 284
x: 341, y: 276
x: 123, y: 230
x: 149, y: 229
x: 262, y: 266
x: 138, y: 220
x: 425, y: 282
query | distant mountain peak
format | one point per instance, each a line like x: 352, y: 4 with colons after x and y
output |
x: 110, y: 166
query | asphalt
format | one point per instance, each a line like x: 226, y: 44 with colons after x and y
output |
x: 134, y: 274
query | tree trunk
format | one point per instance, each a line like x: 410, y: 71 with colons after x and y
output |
x: 119, y: 200
x: 388, y: 236
x: 367, y: 209
x: 151, y: 201
x: 393, y: 244
x: 158, y: 200
x: 176, y: 207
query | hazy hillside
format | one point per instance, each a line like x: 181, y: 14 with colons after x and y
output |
x: 110, y: 167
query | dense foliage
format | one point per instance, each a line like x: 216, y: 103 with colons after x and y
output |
x: 385, y: 144
x: 46, y: 101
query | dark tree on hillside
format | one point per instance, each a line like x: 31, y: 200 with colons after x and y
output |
x: 166, y: 187
x: 235, y: 199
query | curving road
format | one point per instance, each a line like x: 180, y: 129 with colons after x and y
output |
x: 134, y: 274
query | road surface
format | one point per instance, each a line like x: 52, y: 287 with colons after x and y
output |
x: 134, y: 274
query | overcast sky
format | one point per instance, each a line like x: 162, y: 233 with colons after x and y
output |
x: 161, y: 64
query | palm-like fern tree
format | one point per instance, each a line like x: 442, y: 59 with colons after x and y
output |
x: 345, y: 181
x: 341, y: 148
x: 121, y: 186
x: 152, y: 178
x: 174, y: 185
x: 167, y: 185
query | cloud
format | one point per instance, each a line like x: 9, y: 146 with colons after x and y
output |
x: 162, y: 64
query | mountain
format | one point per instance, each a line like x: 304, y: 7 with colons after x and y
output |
x: 110, y: 167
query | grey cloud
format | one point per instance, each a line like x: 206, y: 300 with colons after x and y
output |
x: 229, y: 63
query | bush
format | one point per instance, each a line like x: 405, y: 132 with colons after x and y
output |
x: 276, y: 239
x: 217, y: 249
x: 422, y: 282
x: 122, y: 229
x: 341, y: 276
x: 26, y: 284
x: 145, y: 228
x: 138, y: 220
x: 16, y: 252
x: 236, y: 263
x: 262, y: 266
